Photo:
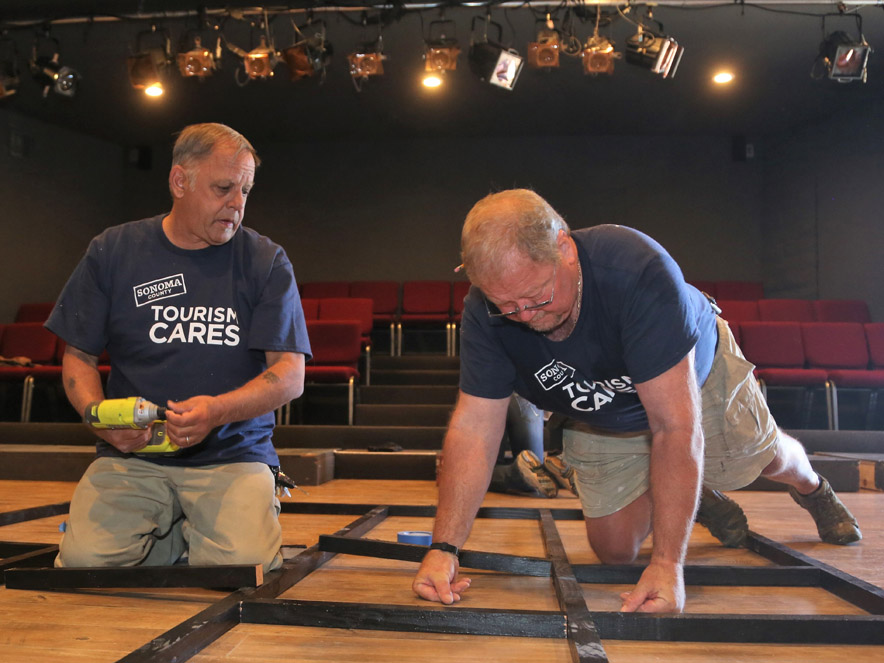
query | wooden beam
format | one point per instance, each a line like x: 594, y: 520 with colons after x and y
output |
x: 850, y: 588
x: 33, y: 513
x: 527, y: 566
x: 463, y: 621
x: 136, y: 576
x: 780, y: 629
x: 583, y: 636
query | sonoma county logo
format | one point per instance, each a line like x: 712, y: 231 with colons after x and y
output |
x: 555, y: 372
x: 168, y: 286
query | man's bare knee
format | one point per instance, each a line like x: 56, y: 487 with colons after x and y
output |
x: 623, y: 552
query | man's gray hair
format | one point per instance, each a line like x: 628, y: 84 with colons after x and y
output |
x: 517, y: 220
x: 197, y: 141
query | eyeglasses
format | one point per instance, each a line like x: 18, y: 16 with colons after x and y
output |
x: 527, y: 307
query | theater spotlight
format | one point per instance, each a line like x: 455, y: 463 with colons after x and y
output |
x: 598, y: 56
x: 658, y: 53
x: 198, y: 62
x: 147, y: 66
x: 260, y: 61
x: 49, y: 73
x: 9, y: 78
x: 440, y: 53
x: 544, y: 53
x: 845, y: 59
x: 366, y: 62
x: 310, y: 55
x: 494, y: 63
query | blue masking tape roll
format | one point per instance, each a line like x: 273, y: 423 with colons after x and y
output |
x: 419, y: 538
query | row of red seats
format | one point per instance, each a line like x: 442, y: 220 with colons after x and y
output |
x: 337, y: 348
x: 731, y: 289
x: 806, y: 355
x: 412, y: 303
x: 795, y: 310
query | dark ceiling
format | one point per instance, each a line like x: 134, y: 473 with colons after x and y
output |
x: 771, y: 48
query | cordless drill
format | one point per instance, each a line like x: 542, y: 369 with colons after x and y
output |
x: 133, y: 412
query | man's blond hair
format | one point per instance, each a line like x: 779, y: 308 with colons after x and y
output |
x: 516, y: 221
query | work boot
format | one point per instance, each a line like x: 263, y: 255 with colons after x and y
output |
x: 532, y: 473
x: 561, y: 472
x: 834, y: 522
x: 723, y: 518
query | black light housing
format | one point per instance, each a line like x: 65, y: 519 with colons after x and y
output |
x: 490, y: 61
x: 48, y: 71
x: 845, y: 59
x: 658, y: 53
x: 9, y: 74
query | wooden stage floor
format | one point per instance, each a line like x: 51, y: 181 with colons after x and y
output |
x: 97, y: 625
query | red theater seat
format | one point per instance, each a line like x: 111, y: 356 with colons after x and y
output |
x: 352, y: 308
x: 336, y: 347
x: 29, y: 342
x: 777, y: 350
x: 738, y: 290
x: 738, y: 310
x: 426, y: 303
x: 841, y: 310
x: 841, y: 349
x: 310, y: 305
x: 385, y: 303
x: 785, y: 310
x: 34, y: 311
x: 320, y: 289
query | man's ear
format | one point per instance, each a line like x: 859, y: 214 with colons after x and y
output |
x: 178, y: 181
x: 565, y: 244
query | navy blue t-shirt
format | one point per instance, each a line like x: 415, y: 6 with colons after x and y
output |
x: 179, y: 323
x: 638, y: 319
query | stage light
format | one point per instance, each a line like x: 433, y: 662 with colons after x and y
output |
x: 723, y: 78
x: 598, y: 56
x: 440, y: 52
x: 310, y: 55
x: 147, y: 66
x: 544, y: 53
x: 491, y: 62
x: 844, y: 58
x: 365, y: 63
x: 49, y: 73
x: 658, y: 53
x: 198, y: 62
x: 9, y: 79
x: 260, y: 61
x: 145, y: 71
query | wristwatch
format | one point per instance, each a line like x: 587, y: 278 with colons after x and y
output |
x: 446, y: 547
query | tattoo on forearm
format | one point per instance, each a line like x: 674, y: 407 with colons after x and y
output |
x: 271, y: 377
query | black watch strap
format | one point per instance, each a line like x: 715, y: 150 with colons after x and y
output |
x: 447, y: 547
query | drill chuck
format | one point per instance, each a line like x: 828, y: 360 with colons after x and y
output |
x: 134, y: 412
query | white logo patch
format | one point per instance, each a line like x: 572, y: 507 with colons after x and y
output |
x: 555, y: 372
x: 152, y: 291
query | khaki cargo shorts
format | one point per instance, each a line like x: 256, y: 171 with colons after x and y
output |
x: 740, y: 439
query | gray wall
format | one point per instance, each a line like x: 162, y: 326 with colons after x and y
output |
x: 393, y: 210
x: 58, y: 194
x: 823, y: 235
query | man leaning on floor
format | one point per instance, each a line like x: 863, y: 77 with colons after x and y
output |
x: 599, y: 325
